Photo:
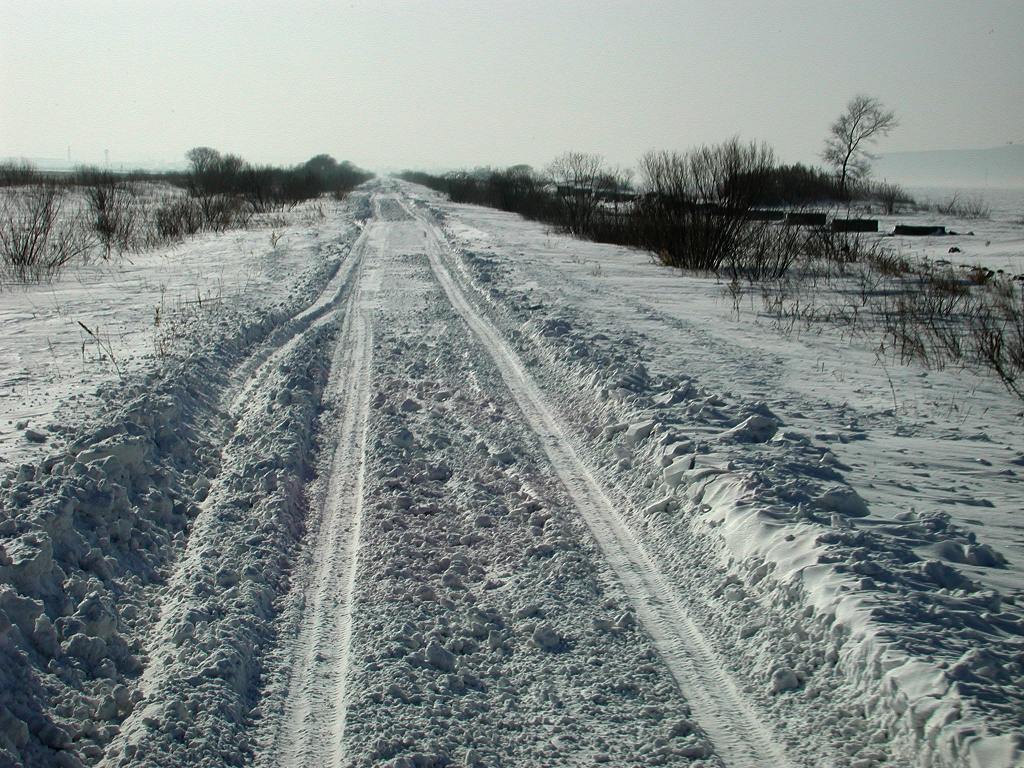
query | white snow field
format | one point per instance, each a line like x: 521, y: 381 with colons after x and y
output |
x: 428, y: 485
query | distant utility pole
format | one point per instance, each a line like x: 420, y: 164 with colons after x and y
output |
x: 69, y: 153
x: 106, y: 157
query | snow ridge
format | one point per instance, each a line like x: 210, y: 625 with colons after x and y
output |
x: 89, y: 534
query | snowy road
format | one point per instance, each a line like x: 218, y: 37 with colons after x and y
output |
x: 312, y: 726
x: 444, y: 508
x: 739, y: 736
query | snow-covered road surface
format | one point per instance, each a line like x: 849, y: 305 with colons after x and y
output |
x: 312, y: 726
x: 466, y: 499
x: 740, y: 738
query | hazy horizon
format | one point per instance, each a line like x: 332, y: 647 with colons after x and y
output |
x: 454, y: 84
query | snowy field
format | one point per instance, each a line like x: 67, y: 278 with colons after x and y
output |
x: 995, y: 241
x: 425, y: 484
x: 139, y: 308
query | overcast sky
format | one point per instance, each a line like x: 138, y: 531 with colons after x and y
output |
x: 445, y: 83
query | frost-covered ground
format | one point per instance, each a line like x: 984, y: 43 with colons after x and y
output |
x: 427, y: 485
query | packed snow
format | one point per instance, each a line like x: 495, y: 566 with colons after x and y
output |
x: 425, y: 484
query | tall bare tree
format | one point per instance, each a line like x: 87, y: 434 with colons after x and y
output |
x: 202, y: 159
x: 846, y: 146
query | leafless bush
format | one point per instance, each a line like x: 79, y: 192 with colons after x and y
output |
x: 889, y: 263
x: 964, y: 208
x: 927, y: 319
x: 770, y: 252
x: 694, y: 207
x: 835, y: 249
x: 36, y: 240
x: 222, y: 212
x: 889, y: 195
x: 17, y: 173
x: 126, y: 220
x: 116, y: 212
x: 826, y: 254
x: 924, y: 313
x: 176, y: 218
x: 577, y: 177
x: 998, y: 334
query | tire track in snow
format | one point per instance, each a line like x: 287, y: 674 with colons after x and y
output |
x: 739, y: 736
x: 256, y: 373
x: 253, y: 372
x: 312, y: 725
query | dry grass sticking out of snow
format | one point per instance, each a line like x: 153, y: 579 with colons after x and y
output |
x: 107, y: 320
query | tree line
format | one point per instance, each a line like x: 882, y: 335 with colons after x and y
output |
x: 266, y: 187
x: 704, y: 209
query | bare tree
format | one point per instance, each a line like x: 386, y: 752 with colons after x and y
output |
x: 576, y: 176
x: 202, y: 159
x: 846, y: 147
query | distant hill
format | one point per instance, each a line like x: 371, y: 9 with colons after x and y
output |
x: 996, y: 167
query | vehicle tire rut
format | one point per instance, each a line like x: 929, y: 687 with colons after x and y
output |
x: 311, y: 726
